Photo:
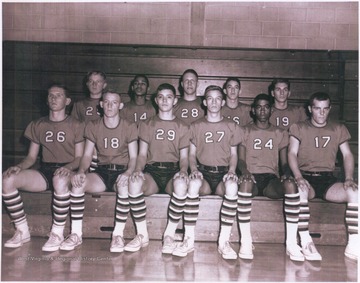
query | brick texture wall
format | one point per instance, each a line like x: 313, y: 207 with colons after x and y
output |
x: 283, y: 25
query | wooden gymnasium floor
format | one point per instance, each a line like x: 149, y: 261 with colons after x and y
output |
x: 93, y: 262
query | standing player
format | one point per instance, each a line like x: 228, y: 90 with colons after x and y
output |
x: 212, y: 159
x: 264, y: 142
x: 87, y: 109
x: 162, y: 166
x: 138, y: 108
x: 234, y: 109
x: 312, y: 154
x: 189, y: 107
x: 116, y: 143
x: 283, y: 114
x: 60, y: 138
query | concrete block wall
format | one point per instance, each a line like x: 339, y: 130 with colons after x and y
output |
x: 283, y: 25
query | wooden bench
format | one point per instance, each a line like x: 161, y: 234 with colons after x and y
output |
x: 267, y: 220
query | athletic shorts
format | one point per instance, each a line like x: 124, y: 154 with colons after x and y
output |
x: 320, y: 181
x: 213, y: 175
x: 109, y: 173
x: 268, y: 185
x: 47, y: 170
x: 162, y: 173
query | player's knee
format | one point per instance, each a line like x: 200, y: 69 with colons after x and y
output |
x: 180, y: 187
x: 246, y: 187
x: 194, y: 187
x: 135, y: 186
x: 352, y: 196
x: 231, y: 188
x: 61, y: 184
x: 290, y: 187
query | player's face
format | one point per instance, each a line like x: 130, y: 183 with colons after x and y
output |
x: 140, y: 86
x: 214, y: 101
x: 320, y: 112
x: 57, y: 99
x: 281, y: 92
x: 111, y: 104
x: 262, y: 110
x: 96, y: 84
x: 165, y: 99
x: 189, y: 83
x: 232, y: 90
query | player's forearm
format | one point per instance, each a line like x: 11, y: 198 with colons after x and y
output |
x: 131, y: 165
x: 192, y: 163
x: 140, y: 163
x: 184, y: 164
x: 233, y: 163
x: 74, y: 164
x: 242, y: 166
x: 293, y: 165
x: 349, y: 167
x: 26, y: 163
x: 85, y: 162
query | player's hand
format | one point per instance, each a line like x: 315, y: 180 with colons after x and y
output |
x: 123, y: 180
x: 230, y: 176
x: 78, y: 180
x: 137, y: 174
x: 246, y: 177
x: 12, y: 170
x: 63, y: 171
x: 302, y: 184
x: 286, y: 177
x: 196, y: 175
x: 350, y: 184
x: 182, y: 176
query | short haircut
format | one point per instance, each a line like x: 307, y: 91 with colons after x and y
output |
x: 321, y: 96
x: 192, y: 71
x: 62, y: 86
x: 95, y: 72
x: 279, y: 80
x: 140, y: 76
x: 232, y: 79
x: 106, y: 91
x: 166, y: 86
x: 214, y: 87
x: 261, y: 96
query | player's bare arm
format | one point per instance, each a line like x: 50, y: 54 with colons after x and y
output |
x: 184, y: 164
x: 69, y: 168
x: 348, y: 158
x: 123, y: 179
x: 79, y: 178
x: 140, y: 162
x: 293, y: 163
x: 231, y: 175
x: 285, y: 169
x: 245, y: 174
x: 195, y: 174
x: 26, y: 163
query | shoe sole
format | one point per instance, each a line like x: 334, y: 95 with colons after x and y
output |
x: 246, y: 256
x: 311, y: 258
x: 167, y: 252
x: 50, y: 249
x: 14, y: 246
x: 144, y: 245
x: 69, y: 248
x: 116, y: 250
x: 295, y: 258
x: 224, y: 256
x: 183, y: 254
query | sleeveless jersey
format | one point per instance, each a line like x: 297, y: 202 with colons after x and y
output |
x: 318, y: 146
x: 285, y: 118
x: 165, y: 138
x: 214, y: 140
x: 86, y: 110
x: 189, y: 111
x: 137, y: 113
x: 240, y: 115
x: 262, y: 148
x: 112, y: 144
x: 57, y: 139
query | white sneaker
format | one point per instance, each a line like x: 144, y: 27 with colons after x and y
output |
x: 294, y: 251
x: 53, y: 244
x: 310, y: 252
x: 352, y: 251
x: 18, y: 239
x: 117, y: 244
x: 137, y: 243
x: 169, y: 245
x: 227, y: 251
x: 71, y: 242
x: 184, y: 248
x: 246, y: 250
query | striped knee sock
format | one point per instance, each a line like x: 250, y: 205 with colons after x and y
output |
x: 227, y: 217
x: 77, y: 207
x: 175, y: 212
x: 138, y: 211
x: 191, y: 216
x: 303, y: 227
x: 61, y: 206
x: 244, y: 213
x: 121, y: 214
x: 351, y: 218
x: 292, y: 209
x: 15, y: 207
